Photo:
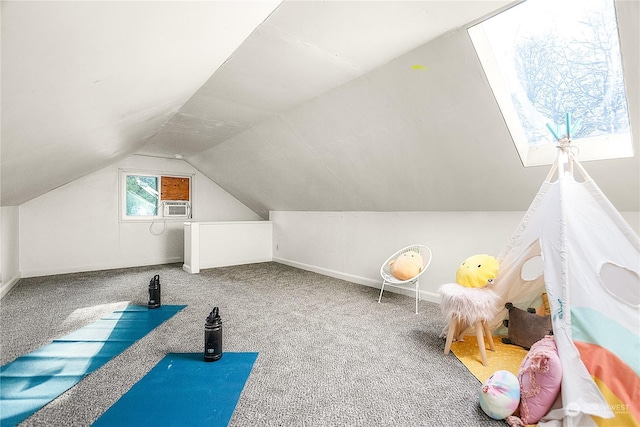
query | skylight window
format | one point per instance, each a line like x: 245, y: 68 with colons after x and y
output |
x: 545, y: 60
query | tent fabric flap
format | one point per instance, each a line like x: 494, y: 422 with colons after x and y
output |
x: 589, y: 268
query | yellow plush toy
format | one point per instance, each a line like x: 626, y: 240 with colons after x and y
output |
x: 477, y: 271
x: 406, y: 266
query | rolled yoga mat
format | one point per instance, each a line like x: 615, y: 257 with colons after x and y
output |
x: 35, y: 379
x: 183, y: 389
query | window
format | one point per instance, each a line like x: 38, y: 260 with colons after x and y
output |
x: 148, y: 196
x: 142, y: 195
x: 549, y: 63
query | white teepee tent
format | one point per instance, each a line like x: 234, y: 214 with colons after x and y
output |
x: 591, y: 269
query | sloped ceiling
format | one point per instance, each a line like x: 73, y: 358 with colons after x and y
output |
x: 332, y: 105
x: 86, y: 83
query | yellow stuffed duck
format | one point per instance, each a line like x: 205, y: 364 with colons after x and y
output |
x: 406, y: 266
x: 477, y: 271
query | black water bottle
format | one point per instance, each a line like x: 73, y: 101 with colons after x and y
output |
x: 213, y: 337
x: 154, y: 292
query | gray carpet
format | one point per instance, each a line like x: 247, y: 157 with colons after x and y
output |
x: 329, y: 354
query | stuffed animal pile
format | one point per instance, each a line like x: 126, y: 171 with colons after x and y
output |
x: 525, y: 399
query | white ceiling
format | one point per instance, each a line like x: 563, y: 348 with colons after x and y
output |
x: 87, y: 83
x: 303, y: 105
x: 306, y: 48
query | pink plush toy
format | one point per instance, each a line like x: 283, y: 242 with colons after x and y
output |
x: 540, y: 378
x: 406, y: 266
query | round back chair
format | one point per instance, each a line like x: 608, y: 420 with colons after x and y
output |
x: 390, y: 280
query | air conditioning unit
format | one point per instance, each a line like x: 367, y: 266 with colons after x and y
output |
x: 176, y: 208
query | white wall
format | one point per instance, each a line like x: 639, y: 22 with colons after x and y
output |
x: 224, y: 243
x: 353, y: 245
x: 9, y: 248
x: 76, y: 227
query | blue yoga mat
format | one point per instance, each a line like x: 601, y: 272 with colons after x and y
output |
x: 35, y: 379
x: 183, y: 389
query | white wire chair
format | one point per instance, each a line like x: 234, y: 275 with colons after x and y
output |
x: 390, y: 280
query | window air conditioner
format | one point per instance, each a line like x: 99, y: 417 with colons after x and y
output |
x: 176, y: 209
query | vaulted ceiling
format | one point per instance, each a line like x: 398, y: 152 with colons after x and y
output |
x: 294, y: 105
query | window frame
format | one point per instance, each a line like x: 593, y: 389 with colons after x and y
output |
x: 122, y: 195
x: 602, y: 147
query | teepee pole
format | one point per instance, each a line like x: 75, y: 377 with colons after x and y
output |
x: 565, y: 155
x: 570, y: 164
x: 581, y: 169
x: 563, y: 159
x: 552, y: 171
x: 567, y: 148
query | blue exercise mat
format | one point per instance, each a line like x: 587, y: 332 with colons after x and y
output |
x: 35, y: 379
x: 183, y: 389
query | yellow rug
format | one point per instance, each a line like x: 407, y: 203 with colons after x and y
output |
x: 507, y: 357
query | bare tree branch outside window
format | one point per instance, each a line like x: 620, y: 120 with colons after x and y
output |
x: 578, y: 73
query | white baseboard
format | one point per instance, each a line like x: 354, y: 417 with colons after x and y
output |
x: 424, y: 295
x: 6, y: 286
x: 231, y: 262
x: 99, y: 267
